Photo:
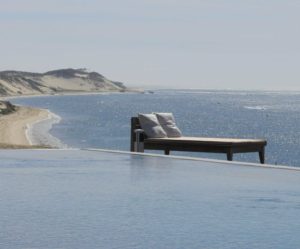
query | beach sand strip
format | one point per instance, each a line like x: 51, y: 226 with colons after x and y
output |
x: 14, y: 126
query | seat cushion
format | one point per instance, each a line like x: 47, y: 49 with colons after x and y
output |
x: 151, y: 126
x: 207, y: 141
x: 167, y: 121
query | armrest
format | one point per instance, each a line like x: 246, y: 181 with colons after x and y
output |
x: 139, y: 135
x: 139, y: 140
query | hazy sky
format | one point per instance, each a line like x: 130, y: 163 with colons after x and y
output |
x: 236, y: 44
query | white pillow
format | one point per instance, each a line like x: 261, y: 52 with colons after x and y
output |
x: 167, y: 122
x: 151, y: 126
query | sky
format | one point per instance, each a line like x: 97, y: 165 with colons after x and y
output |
x: 203, y: 44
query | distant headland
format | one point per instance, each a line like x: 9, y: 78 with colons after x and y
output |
x: 16, y: 121
x: 18, y: 83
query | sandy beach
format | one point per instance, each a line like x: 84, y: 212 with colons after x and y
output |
x: 14, y: 126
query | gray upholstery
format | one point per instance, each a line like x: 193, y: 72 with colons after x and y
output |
x: 151, y: 126
x: 167, y: 122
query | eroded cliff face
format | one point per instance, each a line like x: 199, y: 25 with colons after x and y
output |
x: 14, y: 83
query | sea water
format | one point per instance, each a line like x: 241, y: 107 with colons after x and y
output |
x: 103, y: 120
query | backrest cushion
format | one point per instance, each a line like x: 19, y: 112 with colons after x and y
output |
x: 151, y: 126
x: 167, y: 122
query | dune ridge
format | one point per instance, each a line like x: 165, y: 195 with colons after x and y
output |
x: 18, y: 83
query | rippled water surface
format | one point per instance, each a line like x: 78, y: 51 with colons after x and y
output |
x: 103, y: 121
x: 73, y: 199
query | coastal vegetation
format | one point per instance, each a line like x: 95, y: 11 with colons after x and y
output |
x: 6, y: 108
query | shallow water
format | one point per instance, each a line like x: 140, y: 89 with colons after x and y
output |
x: 103, y: 121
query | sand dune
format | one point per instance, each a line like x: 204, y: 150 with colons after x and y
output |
x: 18, y: 83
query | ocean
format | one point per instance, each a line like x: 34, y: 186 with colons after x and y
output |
x: 103, y: 120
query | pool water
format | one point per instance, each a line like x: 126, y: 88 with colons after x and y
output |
x: 94, y: 199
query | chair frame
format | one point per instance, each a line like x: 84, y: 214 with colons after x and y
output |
x: 227, y: 147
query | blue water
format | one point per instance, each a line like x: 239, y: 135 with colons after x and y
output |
x: 72, y: 199
x: 103, y: 121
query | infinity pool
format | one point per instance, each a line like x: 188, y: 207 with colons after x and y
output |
x: 59, y: 199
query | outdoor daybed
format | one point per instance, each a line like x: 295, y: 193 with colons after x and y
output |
x: 229, y: 146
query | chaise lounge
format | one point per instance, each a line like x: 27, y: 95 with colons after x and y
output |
x: 229, y: 146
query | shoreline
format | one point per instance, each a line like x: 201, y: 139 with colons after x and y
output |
x: 70, y: 93
x: 38, y: 134
x: 50, y: 119
x: 15, y: 127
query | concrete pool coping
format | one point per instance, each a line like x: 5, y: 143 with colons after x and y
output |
x: 187, y: 158
x: 200, y: 159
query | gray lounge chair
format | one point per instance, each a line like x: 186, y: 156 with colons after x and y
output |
x: 229, y: 146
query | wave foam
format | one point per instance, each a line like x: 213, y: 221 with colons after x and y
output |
x: 37, y: 133
x: 256, y: 107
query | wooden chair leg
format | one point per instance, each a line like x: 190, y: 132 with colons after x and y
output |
x: 262, y: 156
x: 167, y: 152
